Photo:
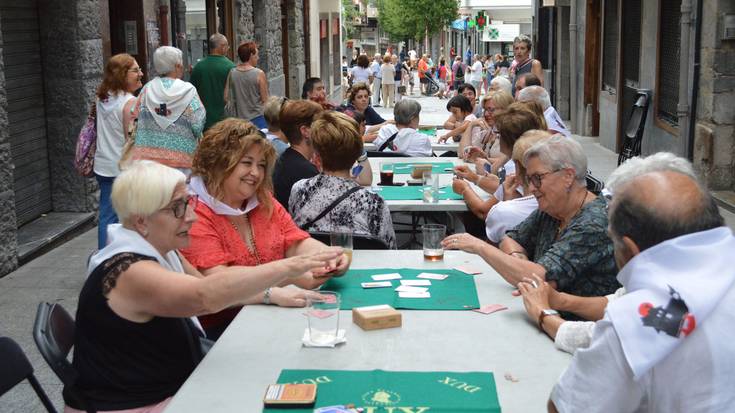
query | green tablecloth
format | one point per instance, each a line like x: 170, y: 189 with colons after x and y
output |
x: 428, y: 131
x: 406, y: 167
x: 379, y: 391
x: 411, y: 193
x: 456, y: 292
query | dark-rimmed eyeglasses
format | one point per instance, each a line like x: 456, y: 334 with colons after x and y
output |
x: 178, y: 207
x: 537, y: 179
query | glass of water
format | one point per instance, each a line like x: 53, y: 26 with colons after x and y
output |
x: 431, y: 187
x: 323, y: 317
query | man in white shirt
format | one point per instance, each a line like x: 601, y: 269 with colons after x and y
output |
x: 541, y: 96
x: 403, y: 136
x: 666, y: 345
x: 476, y: 74
x: 377, y: 78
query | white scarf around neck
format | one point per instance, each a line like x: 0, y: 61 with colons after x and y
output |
x: 672, y: 288
x: 197, y: 185
x: 175, y: 93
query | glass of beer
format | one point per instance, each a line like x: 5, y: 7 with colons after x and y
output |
x: 344, y: 240
x: 433, y: 234
x: 386, y: 173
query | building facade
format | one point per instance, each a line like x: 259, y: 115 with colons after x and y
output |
x: 680, y: 53
x: 52, y: 55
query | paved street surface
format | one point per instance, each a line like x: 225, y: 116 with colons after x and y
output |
x: 58, y: 276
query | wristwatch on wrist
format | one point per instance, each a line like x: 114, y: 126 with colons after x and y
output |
x: 544, y: 314
x: 363, y: 157
x: 267, y: 296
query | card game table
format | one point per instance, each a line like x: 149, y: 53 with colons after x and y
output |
x: 263, y: 341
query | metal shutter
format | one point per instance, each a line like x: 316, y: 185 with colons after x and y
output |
x: 26, y: 108
x: 668, y: 65
x: 610, y: 46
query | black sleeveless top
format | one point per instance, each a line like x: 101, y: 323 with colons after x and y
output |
x: 123, y: 364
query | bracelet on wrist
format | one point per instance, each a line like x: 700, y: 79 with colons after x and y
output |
x: 267, y: 296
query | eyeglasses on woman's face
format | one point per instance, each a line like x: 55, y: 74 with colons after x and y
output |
x: 178, y: 207
x: 537, y: 179
x: 135, y: 70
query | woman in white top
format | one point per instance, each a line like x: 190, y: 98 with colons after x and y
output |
x: 115, y: 102
x: 388, y: 72
x: 518, y: 202
x: 360, y: 73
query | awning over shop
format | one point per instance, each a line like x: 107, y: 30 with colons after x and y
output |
x: 460, y: 24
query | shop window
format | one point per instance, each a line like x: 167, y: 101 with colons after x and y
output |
x: 610, y: 46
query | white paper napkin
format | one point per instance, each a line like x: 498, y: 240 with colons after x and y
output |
x: 306, y: 340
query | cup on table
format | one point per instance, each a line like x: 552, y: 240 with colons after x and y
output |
x: 433, y: 234
x: 323, y: 317
x: 386, y: 173
x: 344, y: 240
x: 431, y: 187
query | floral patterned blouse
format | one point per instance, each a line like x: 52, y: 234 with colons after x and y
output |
x: 363, y: 212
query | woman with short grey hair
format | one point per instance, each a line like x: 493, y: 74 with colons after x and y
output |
x: 523, y: 62
x: 565, y: 241
x: 404, y: 137
x: 171, y: 116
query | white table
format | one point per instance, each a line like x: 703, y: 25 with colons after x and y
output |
x: 450, y: 145
x: 445, y: 180
x: 263, y: 340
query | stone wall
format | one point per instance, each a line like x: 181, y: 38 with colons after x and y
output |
x: 267, y: 18
x: 714, y: 138
x: 296, y: 50
x: 72, y: 70
x: 8, y: 224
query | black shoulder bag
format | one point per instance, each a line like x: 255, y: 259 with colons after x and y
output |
x: 331, y: 206
x: 388, y: 142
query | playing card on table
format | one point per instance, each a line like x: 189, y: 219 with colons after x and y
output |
x: 491, y: 308
x: 386, y: 277
x: 408, y: 288
x: 468, y: 269
x: 416, y: 283
x: 376, y: 284
x: 432, y: 276
x: 410, y: 294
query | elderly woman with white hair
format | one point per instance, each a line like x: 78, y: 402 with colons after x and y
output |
x: 171, y: 116
x: 137, y: 338
x: 539, y: 95
x: 565, y: 240
x: 538, y: 295
x: 404, y: 137
x: 501, y: 83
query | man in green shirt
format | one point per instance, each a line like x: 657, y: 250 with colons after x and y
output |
x: 209, y: 77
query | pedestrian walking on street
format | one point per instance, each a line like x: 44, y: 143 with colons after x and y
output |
x: 423, y: 69
x: 170, y: 115
x: 114, y: 103
x: 388, y: 74
x: 377, y: 78
x: 458, y: 71
x: 360, y: 72
x: 476, y: 74
x: 248, y: 91
x: 523, y: 62
x: 397, y: 78
x: 209, y: 77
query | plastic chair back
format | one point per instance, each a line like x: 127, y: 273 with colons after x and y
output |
x: 17, y: 368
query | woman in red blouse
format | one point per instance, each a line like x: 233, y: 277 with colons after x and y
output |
x: 239, y: 221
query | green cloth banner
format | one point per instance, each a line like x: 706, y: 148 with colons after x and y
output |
x: 411, y: 193
x: 407, y: 167
x: 379, y: 391
x: 456, y: 292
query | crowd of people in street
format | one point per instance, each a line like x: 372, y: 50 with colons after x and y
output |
x: 209, y: 190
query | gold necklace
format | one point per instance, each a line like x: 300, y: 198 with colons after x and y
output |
x: 247, y: 236
x: 562, y: 227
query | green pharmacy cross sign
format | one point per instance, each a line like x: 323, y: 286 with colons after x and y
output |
x: 493, y: 33
x: 480, y: 20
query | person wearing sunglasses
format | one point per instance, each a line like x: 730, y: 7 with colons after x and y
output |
x: 565, y: 241
x: 137, y: 338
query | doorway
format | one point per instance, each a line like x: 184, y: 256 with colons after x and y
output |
x: 593, y: 46
x: 630, y: 62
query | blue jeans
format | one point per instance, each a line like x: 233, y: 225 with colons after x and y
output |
x: 259, y: 122
x: 107, y: 214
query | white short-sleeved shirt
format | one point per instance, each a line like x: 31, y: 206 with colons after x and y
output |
x: 361, y: 74
x: 696, y: 377
x: 554, y: 122
x: 476, y: 75
x: 110, y: 134
x: 506, y: 215
x: 388, y: 73
x: 408, y: 141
